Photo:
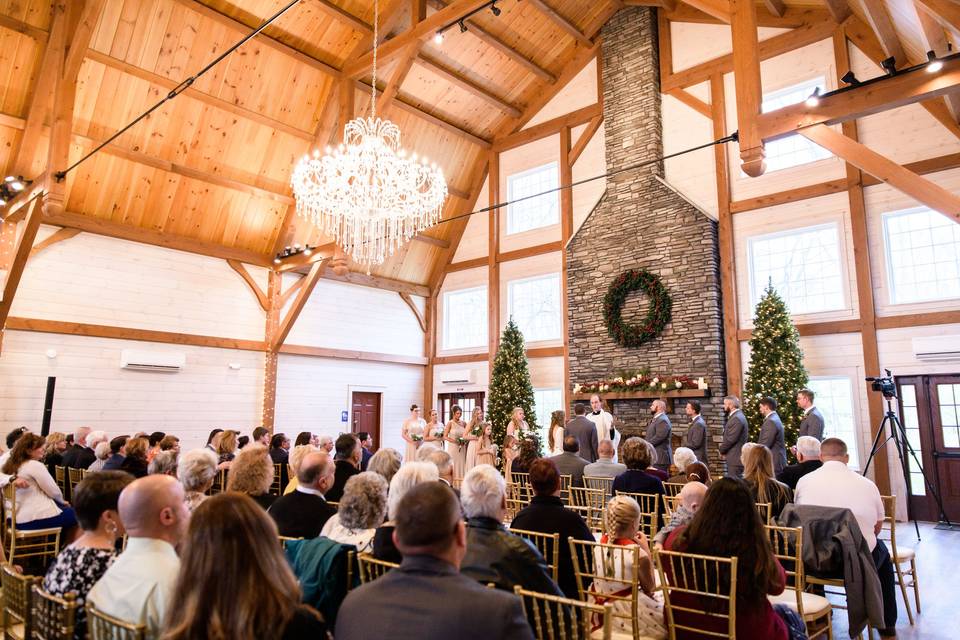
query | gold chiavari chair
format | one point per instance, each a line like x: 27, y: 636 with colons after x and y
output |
x: 555, y: 618
x: 371, y: 568
x: 817, y: 614
x: 566, y: 481
x: 763, y: 508
x: 17, y: 608
x: 548, y: 544
x: 276, y: 488
x: 219, y: 483
x: 900, y: 555
x: 285, y: 539
x: 351, y: 563
x: 608, y: 571
x: 513, y: 508
x: 649, y: 511
x: 74, y: 476
x: 695, y: 597
x: 54, y: 618
x: 604, y: 484
x: 672, y: 488
x: 60, y: 477
x: 589, y: 503
x: 520, y: 481
x: 100, y: 626
x: 670, y: 506
x: 23, y: 544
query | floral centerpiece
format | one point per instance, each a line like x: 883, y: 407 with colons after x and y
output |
x: 638, y: 381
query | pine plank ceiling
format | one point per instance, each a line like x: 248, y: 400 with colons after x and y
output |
x: 213, y: 166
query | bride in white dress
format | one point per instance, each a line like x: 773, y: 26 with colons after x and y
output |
x: 555, y: 435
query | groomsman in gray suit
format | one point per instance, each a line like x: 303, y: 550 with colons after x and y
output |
x: 658, y: 434
x: 735, y: 433
x: 812, y: 423
x: 771, y: 434
x: 584, y: 431
x: 696, y: 436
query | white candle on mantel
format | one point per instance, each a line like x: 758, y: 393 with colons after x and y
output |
x: 701, y: 384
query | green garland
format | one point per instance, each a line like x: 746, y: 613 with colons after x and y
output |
x: 658, y: 311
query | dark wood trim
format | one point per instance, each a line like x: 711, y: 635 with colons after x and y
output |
x: 349, y: 354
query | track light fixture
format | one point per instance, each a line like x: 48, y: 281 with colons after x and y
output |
x: 933, y: 64
x: 850, y: 79
x: 889, y: 65
x: 295, y: 250
x: 494, y: 9
x: 814, y: 98
x: 438, y: 38
x: 11, y: 186
x: 462, y: 20
x: 463, y: 26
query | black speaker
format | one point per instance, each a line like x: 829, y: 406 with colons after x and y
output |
x: 48, y: 406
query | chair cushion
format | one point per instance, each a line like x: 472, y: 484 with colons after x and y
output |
x: 813, y: 605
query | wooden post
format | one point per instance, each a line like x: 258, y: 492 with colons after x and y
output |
x: 493, y: 282
x: 746, y: 75
x: 268, y: 409
x: 429, y: 350
x: 566, y: 231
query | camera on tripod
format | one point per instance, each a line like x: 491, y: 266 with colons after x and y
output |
x: 884, y: 384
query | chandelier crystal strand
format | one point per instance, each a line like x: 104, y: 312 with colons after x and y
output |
x: 367, y: 194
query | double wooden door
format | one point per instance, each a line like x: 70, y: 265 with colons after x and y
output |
x: 465, y: 400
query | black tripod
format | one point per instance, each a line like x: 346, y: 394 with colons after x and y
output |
x: 899, y: 437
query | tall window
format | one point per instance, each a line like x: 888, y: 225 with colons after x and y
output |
x: 911, y: 425
x: 802, y: 264
x: 794, y: 150
x: 465, y: 318
x: 834, y: 398
x: 546, y: 401
x: 534, y: 213
x: 923, y: 256
x: 535, y: 307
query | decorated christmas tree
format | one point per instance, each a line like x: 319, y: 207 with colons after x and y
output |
x: 776, y: 366
x: 510, y: 384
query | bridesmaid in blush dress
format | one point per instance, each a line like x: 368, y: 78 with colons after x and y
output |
x: 474, y: 431
x: 412, y: 432
x: 456, y: 430
x: 434, y: 431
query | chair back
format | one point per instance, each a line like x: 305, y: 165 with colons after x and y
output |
x: 608, y: 572
x: 74, y: 476
x: 54, y: 618
x: 566, y: 481
x: 589, y: 503
x: 787, y: 545
x: 28, y: 543
x: 763, y: 508
x: 285, y: 539
x: 672, y: 488
x: 60, y: 476
x: 276, y: 488
x: 670, y: 506
x: 219, y: 483
x: 371, y: 568
x: 17, y: 606
x: 555, y: 618
x: 548, y: 544
x: 888, y: 530
x: 699, y: 594
x: 100, y: 626
x: 513, y: 508
x: 649, y: 510
x: 604, y: 484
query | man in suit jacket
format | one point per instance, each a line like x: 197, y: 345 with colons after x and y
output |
x: 812, y: 423
x: 695, y: 438
x: 584, y: 431
x: 605, y: 467
x: 808, y: 456
x: 427, y: 596
x: 80, y: 455
x: 347, y: 462
x: 658, y: 434
x: 735, y: 433
x: 303, y: 513
x: 771, y: 434
x: 569, y: 463
x: 366, y: 443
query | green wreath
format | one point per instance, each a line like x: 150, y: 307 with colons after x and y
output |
x: 658, y: 311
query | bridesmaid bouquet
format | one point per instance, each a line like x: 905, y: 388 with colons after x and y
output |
x: 477, y: 430
x: 460, y: 443
x: 438, y: 432
x: 417, y: 438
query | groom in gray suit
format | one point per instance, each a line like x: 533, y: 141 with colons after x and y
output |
x: 658, y: 434
x: 735, y: 433
x: 771, y: 434
x: 812, y: 423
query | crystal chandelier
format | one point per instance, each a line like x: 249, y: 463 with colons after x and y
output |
x: 367, y: 194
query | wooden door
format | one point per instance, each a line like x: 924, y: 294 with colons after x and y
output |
x: 365, y: 409
x: 930, y: 408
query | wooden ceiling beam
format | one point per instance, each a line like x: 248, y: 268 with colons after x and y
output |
x: 273, y: 43
x: 299, y: 302
x: 775, y: 7
x: 25, y: 28
x: 935, y: 39
x: 879, y: 20
x: 400, y: 73
x: 416, y: 312
x: 945, y: 12
x: 457, y: 79
x: 20, y: 256
x: 548, y: 128
x: 258, y: 293
x: 493, y: 41
x: 54, y: 238
x: 41, y: 98
x: 839, y: 10
x: 793, y: 16
x: 343, y: 16
x: 585, y: 137
x: 378, y: 282
x: 719, y: 9
x: 924, y: 191
x: 746, y: 75
x: 558, y: 19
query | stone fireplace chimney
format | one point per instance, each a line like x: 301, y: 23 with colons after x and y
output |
x: 640, y: 223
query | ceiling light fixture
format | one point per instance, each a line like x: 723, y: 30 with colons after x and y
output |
x: 814, y: 98
x: 463, y: 26
x: 933, y: 64
x: 462, y: 20
x: 849, y: 78
x: 438, y: 38
x: 494, y: 9
x: 889, y: 65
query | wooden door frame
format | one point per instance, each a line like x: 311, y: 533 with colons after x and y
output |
x: 366, y: 388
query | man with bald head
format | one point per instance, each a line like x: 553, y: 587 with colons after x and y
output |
x: 658, y: 434
x: 138, y: 586
x: 302, y: 513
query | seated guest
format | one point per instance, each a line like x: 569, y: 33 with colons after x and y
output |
x: 651, y: 469
x: 546, y: 513
x: 80, y: 455
x: 347, y: 462
x: 296, y: 459
x: 242, y: 442
x: 366, y: 444
x: 758, y: 474
x: 409, y: 476
x: 323, y: 442
x: 279, y: 448
x: 118, y: 451
x: 139, y: 585
x: 196, y: 472
x: 102, y: 451
x: 170, y: 443
x: 227, y: 448
x: 224, y: 591
x: 837, y: 485
x: 153, y: 444
x: 622, y: 518
x: 304, y: 437
x: 252, y: 473
x: 261, y: 435
x: 682, y: 458
x: 727, y: 524
x: 426, y: 597
x: 135, y: 462
x: 636, y: 479
x: 424, y: 451
x: 569, y: 463
x: 526, y: 455
x: 691, y: 497
x: 698, y: 472
x: 444, y: 462
x: 53, y: 450
x: 40, y: 504
x: 213, y: 439
x: 808, y: 460
x: 164, y: 462
x: 604, y: 467
x: 361, y: 511
x: 386, y: 462
x: 303, y: 513
x: 493, y: 553
x: 83, y: 562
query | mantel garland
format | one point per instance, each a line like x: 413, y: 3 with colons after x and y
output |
x: 658, y: 310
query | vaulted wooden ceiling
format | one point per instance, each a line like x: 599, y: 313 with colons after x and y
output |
x: 210, y: 170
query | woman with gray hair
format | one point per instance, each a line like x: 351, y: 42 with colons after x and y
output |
x: 362, y: 509
x: 386, y: 462
x: 102, y: 452
x: 196, y: 472
x: 409, y: 476
x: 682, y: 458
x: 163, y: 463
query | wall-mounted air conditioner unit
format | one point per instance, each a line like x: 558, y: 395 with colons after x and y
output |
x: 937, y: 349
x: 463, y: 376
x: 163, y: 361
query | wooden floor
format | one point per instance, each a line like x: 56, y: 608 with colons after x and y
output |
x: 938, y: 565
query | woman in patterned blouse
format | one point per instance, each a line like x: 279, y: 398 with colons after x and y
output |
x: 82, y: 563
